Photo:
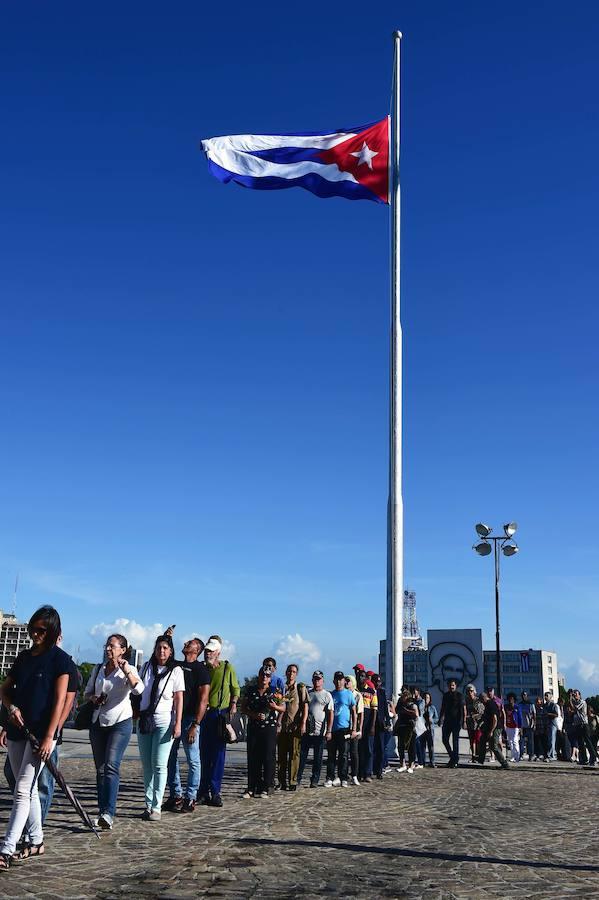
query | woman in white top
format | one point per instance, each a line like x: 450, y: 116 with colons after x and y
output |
x: 159, y: 721
x: 110, y: 687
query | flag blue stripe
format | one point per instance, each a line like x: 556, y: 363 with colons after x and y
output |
x: 288, y: 155
x: 313, y: 182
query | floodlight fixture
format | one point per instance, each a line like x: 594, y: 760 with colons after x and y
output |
x: 483, y: 548
x: 510, y: 549
x: 483, y: 530
x: 510, y: 529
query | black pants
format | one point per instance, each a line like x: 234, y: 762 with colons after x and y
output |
x: 406, y: 741
x: 540, y: 743
x: 354, y: 757
x: 493, y: 741
x: 379, y: 749
x: 315, y: 741
x: 337, y: 754
x: 585, y: 744
x: 261, y: 746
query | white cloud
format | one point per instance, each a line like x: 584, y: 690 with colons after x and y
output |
x: 295, y: 648
x: 142, y: 637
x: 67, y: 585
x: 228, y: 651
x: 583, y: 670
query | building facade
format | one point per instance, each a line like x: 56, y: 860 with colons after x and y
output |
x: 14, y: 637
x: 457, y: 653
x: 534, y: 671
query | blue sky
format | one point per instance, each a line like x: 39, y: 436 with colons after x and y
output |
x: 194, y: 376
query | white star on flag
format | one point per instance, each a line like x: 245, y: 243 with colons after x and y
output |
x: 365, y: 155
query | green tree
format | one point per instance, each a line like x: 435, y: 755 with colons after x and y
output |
x: 85, y: 670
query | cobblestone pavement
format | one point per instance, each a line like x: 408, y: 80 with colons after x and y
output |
x: 438, y: 834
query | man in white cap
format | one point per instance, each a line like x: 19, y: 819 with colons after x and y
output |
x: 222, y: 704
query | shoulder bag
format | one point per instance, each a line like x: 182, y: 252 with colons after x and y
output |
x: 85, y: 713
x: 147, y: 723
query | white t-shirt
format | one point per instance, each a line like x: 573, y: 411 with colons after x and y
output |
x: 118, y: 694
x: 168, y: 686
x: 319, y: 703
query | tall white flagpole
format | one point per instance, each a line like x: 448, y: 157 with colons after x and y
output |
x: 394, y: 644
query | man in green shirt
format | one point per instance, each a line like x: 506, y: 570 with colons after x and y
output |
x: 222, y: 704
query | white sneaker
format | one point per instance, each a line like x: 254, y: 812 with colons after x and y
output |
x: 344, y: 784
x: 402, y: 769
x: 105, y: 821
x: 336, y: 782
x: 328, y: 783
x: 386, y: 770
x: 417, y: 766
x: 410, y: 771
x: 355, y: 780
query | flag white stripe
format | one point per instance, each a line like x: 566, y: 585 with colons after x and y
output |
x: 255, y: 167
x: 250, y: 142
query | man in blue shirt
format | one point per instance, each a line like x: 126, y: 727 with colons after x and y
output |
x: 277, y: 684
x: 344, y: 728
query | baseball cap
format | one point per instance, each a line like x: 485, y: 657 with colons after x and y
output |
x: 370, y: 673
x: 337, y: 675
x: 213, y: 644
x: 359, y: 667
x: 317, y: 674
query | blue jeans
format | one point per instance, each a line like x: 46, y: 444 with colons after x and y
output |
x: 429, y: 743
x: 212, y: 754
x: 192, y: 752
x: 452, y: 729
x: 421, y: 748
x: 108, y: 746
x: 527, y: 742
x: 316, y: 742
x: 154, y: 749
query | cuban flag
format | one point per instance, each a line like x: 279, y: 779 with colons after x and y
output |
x: 351, y: 163
x: 524, y: 662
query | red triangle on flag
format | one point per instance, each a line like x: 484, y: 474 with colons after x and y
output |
x: 366, y: 156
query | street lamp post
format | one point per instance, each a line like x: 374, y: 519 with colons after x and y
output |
x: 508, y: 547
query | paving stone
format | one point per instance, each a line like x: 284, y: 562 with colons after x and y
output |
x: 440, y: 834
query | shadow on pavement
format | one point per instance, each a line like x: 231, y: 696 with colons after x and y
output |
x: 423, y: 854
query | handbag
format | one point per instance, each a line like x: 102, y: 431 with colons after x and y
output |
x: 224, y: 730
x: 85, y: 713
x: 84, y: 716
x: 146, y: 723
x: 419, y: 726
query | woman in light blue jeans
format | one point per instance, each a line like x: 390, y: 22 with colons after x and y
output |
x: 110, y: 687
x: 159, y: 721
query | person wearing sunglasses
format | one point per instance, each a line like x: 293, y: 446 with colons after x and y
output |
x: 110, y: 688
x: 34, y: 694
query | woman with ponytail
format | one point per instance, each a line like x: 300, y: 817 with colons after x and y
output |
x: 159, y: 721
x: 110, y: 687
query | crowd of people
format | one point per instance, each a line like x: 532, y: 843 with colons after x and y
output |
x: 196, y: 704
x: 544, y: 729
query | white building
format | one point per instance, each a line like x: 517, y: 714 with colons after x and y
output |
x: 14, y: 637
